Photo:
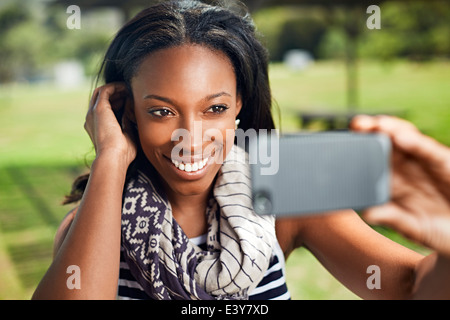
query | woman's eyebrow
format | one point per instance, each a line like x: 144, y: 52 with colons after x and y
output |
x: 168, y: 100
x: 216, y: 95
x: 154, y: 96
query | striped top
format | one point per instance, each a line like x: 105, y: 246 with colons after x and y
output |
x: 271, y: 287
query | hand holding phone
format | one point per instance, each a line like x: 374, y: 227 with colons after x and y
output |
x: 420, y: 198
x: 322, y: 172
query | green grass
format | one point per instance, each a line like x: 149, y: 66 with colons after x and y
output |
x: 44, y: 147
x: 420, y: 92
x: 307, y: 279
x: 30, y: 211
x: 43, y: 125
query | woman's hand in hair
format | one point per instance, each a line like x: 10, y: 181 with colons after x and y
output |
x: 107, y: 107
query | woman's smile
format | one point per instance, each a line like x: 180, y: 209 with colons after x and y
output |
x: 189, y: 171
x: 194, y: 166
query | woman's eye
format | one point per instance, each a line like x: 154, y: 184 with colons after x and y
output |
x: 160, y: 113
x: 217, y: 109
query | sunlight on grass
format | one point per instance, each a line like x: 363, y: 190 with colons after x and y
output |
x: 307, y: 279
x: 43, y: 124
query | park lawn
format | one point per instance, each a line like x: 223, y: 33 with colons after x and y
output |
x: 30, y: 212
x: 44, y: 147
x: 41, y: 124
x: 418, y: 92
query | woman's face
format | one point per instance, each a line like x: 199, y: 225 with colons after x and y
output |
x: 185, y: 105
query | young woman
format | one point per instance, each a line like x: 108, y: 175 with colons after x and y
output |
x: 156, y: 225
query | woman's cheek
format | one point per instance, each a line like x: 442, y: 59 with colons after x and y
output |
x: 154, y: 137
x: 220, y: 137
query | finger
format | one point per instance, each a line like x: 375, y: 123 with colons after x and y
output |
x: 94, y: 98
x: 405, y: 136
x: 391, y: 126
x: 410, y: 140
x: 393, y: 216
x: 100, y: 100
x: 104, y: 93
x: 424, y: 147
x: 363, y: 123
x: 110, y: 92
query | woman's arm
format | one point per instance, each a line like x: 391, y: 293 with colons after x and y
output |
x: 348, y: 248
x: 92, y: 242
x: 63, y: 229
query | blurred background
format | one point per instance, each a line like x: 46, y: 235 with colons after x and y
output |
x: 327, y: 64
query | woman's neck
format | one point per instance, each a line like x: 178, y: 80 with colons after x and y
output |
x: 190, y: 212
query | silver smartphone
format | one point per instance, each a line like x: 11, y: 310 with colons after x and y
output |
x: 302, y: 173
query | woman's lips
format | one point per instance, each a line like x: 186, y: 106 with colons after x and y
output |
x: 193, y: 166
x: 190, y: 167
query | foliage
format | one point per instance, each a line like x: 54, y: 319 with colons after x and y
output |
x: 33, y: 34
x: 33, y: 37
x: 285, y: 28
x: 416, y: 30
x: 20, y: 49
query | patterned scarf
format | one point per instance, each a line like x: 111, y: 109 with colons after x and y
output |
x: 169, y: 266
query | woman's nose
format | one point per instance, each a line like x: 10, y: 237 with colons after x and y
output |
x: 189, y: 139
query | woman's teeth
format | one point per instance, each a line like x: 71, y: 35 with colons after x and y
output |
x: 190, y: 167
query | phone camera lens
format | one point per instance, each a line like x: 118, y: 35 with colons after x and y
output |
x: 262, y: 203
